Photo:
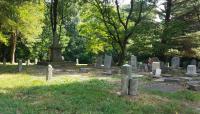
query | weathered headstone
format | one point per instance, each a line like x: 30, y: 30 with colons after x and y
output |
x: 107, y: 61
x: 126, y: 70
x: 133, y: 89
x: 49, y: 72
x: 19, y: 65
x: 146, y: 69
x: 36, y: 61
x: 99, y: 61
x: 107, y: 65
x: 193, y: 62
x: 129, y: 84
x: 175, y: 62
x: 134, y: 63
x: 191, y: 70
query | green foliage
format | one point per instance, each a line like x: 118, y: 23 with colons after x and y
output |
x: 31, y: 21
x: 93, y: 29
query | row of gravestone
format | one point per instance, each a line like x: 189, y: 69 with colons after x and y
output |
x: 27, y: 62
x: 154, y: 67
x: 49, y: 72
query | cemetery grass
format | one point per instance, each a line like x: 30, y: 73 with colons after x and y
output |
x: 27, y: 93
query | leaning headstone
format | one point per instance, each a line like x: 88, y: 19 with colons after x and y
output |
x: 19, y: 65
x: 155, y: 65
x: 193, y: 62
x: 4, y: 61
x: 99, y: 61
x: 134, y: 63
x: 175, y: 62
x: 191, y: 70
x: 49, y: 72
x: 36, y: 61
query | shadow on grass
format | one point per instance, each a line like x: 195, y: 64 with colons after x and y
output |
x: 93, y: 97
x: 34, y: 70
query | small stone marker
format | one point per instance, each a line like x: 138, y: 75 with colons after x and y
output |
x: 77, y: 61
x: 19, y: 65
x: 129, y: 85
x: 49, y: 72
x: 84, y: 70
x: 63, y: 58
x: 175, y: 62
x: 191, y: 70
x: 134, y: 63
x: 36, y: 61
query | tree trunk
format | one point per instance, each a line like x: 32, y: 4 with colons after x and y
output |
x: 13, y: 46
x: 122, y: 55
x: 56, y: 55
x: 163, y: 48
x: 56, y: 50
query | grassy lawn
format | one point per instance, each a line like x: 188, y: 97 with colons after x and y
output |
x: 25, y: 93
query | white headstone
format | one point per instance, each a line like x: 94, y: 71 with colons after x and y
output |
x: 158, y: 72
x: 36, y: 61
x: 77, y: 61
x: 49, y: 72
x: 191, y: 70
x: 63, y: 58
x: 134, y: 63
x: 175, y: 62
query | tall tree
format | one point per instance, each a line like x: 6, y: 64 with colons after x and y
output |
x: 121, y: 22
